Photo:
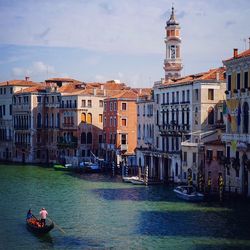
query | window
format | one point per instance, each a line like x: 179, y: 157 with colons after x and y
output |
x: 10, y: 109
x: 83, y: 117
x: 163, y: 98
x: 219, y: 154
x: 83, y: 138
x: 89, y: 118
x: 188, y: 95
x: 245, y: 118
x: 39, y: 99
x: 196, y: 92
x: 185, y: 156
x: 173, y: 99
x: 111, y: 106
x: 246, y: 80
x: 238, y: 81
x: 209, y: 154
x: 100, y: 103
x: 123, y: 139
x: 89, y: 138
x: 157, y: 142
x: 11, y: 90
x: 229, y: 82
x: 210, y: 94
x: 100, y: 118
x: 176, y: 169
x: 89, y: 103
x: 105, y: 106
x: 167, y: 98
x: 210, y: 116
x: 83, y: 103
x: 183, y: 95
x: 115, y: 105
x: 194, y: 157
x: 114, y: 121
x: 111, y: 121
x: 124, y: 106
x: 124, y: 122
x: 157, y: 98
x: 177, y: 96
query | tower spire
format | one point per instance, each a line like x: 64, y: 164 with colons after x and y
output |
x: 172, y: 62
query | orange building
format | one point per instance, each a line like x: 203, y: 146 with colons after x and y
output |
x: 120, y: 127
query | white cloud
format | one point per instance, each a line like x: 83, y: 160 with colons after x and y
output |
x: 37, y: 69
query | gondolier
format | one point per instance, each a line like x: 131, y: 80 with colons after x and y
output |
x: 43, y: 214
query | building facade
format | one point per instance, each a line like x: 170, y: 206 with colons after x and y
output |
x: 236, y: 113
x: 7, y: 90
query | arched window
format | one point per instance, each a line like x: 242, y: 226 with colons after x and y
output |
x: 245, y: 117
x: 83, y: 138
x: 89, y: 118
x: 39, y: 120
x: 83, y: 117
x: 210, y: 117
x: 89, y: 138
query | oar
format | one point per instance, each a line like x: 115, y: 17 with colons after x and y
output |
x: 57, y: 226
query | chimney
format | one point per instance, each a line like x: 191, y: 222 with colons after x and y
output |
x: 27, y: 78
x: 235, y: 53
x: 248, y: 42
x: 217, y: 76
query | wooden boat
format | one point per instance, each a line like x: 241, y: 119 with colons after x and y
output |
x: 62, y: 167
x: 129, y: 178
x: 188, y: 193
x: 34, y: 226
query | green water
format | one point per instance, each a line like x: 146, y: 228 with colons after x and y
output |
x: 100, y: 212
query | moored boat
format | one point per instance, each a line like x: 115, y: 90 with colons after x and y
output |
x: 138, y: 182
x: 34, y: 225
x: 188, y: 193
x: 90, y: 167
x: 129, y: 178
x: 62, y: 167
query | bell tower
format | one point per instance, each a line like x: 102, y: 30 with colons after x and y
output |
x: 172, y: 63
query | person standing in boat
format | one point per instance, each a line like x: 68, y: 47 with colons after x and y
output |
x: 43, y: 214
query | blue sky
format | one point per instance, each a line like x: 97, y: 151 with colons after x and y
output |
x: 99, y: 40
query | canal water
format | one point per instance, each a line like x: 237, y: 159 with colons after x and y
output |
x: 100, y: 212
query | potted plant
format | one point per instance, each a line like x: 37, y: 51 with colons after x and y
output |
x: 226, y: 92
x: 235, y: 91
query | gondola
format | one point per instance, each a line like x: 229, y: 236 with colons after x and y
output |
x: 34, y: 226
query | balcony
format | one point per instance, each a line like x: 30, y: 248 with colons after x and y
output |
x: 22, y: 145
x: 173, y: 128
x: 71, y: 143
x: 110, y: 146
x: 245, y: 138
x: 124, y: 147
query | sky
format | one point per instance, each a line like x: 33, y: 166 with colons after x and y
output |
x: 100, y: 40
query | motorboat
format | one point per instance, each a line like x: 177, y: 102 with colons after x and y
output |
x: 62, y: 167
x: 91, y: 167
x: 188, y: 193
